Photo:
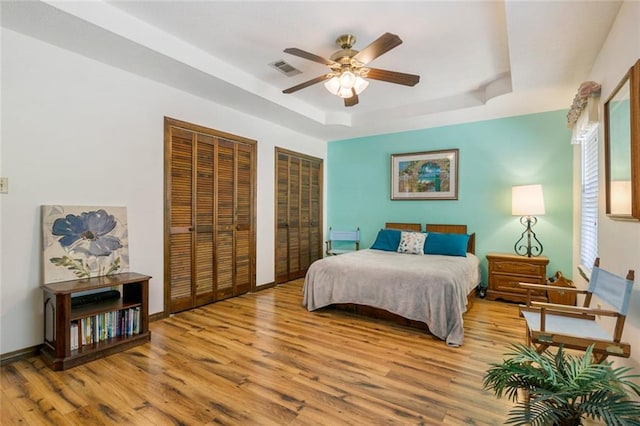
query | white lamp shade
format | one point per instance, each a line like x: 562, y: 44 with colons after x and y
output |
x: 620, y: 201
x: 527, y: 200
x: 345, y: 84
x: 333, y: 85
x: 345, y: 93
x: 347, y: 79
x: 360, y: 85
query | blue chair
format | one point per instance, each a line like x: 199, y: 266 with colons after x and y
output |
x: 574, y: 327
x: 344, y: 239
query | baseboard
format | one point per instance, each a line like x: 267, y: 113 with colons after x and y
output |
x: 24, y: 353
x: 265, y: 286
x: 158, y: 316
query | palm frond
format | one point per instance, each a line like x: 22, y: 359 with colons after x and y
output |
x: 563, y: 386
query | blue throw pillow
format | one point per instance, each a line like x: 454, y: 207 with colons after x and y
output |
x: 446, y: 244
x: 387, y: 240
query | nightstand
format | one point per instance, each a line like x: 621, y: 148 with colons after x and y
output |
x: 507, y: 270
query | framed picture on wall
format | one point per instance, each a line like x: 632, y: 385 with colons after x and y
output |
x: 430, y: 175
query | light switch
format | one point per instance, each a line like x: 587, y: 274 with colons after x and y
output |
x: 4, y: 185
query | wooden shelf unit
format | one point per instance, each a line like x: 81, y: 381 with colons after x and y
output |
x: 59, y: 314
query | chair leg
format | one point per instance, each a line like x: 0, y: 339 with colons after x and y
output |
x: 599, y: 358
x: 541, y: 348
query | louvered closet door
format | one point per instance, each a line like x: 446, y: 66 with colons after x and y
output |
x: 244, y: 255
x: 298, y: 214
x: 305, y: 217
x: 294, y: 218
x: 282, y: 217
x: 203, y: 265
x: 181, y: 219
x: 211, y: 216
x: 315, y: 212
x: 234, y: 231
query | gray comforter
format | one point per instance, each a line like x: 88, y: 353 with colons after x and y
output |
x: 428, y: 288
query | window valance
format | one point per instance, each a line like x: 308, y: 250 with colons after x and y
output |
x: 583, y: 116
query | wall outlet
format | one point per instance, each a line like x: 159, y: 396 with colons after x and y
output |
x: 4, y: 185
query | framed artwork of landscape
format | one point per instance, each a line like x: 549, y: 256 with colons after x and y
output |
x: 430, y: 175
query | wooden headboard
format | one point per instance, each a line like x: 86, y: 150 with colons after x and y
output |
x: 404, y: 226
x: 447, y: 229
x: 454, y: 229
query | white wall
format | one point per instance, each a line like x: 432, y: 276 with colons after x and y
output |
x: 78, y: 132
x: 618, y: 241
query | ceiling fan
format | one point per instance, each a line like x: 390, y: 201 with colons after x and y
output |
x: 348, y: 75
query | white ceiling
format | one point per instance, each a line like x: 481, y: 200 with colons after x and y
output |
x: 477, y: 59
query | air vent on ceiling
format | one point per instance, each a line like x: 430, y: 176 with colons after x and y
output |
x: 285, y: 68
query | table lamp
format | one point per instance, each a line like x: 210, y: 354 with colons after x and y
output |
x: 527, y: 202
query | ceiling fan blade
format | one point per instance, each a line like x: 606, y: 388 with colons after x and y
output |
x: 382, y: 44
x: 310, y: 56
x: 393, y: 77
x: 307, y: 83
x: 353, y: 100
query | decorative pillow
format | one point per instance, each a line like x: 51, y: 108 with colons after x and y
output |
x: 446, y: 244
x: 387, y: 240
x: 412, y: 243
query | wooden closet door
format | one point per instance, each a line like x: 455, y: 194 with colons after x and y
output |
x: 234, y: 219
x: 298, y: 214
x: 282, y: 217
x: 180, y: 212
x: 210, y: 243
x: 244, y: 261
x: 315, y: 212
x: 203, y: 263
x: 294, y: 218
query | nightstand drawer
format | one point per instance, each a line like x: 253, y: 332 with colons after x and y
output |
x: 506, y: 283
x: 511, y: 267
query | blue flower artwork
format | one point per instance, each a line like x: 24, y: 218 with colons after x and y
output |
x: 83, y: 242
x: 87, y: 233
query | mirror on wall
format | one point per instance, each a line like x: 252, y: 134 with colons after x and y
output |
x: 622, y: 148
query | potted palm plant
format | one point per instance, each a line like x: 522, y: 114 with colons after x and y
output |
x: 563, y: 389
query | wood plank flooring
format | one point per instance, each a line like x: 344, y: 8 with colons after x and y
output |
x: 262, y: 359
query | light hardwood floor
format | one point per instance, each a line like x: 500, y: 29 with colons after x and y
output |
x: 262, y: 359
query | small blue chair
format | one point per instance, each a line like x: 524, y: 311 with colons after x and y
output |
x: 342, y: 237
x: 574, y: 327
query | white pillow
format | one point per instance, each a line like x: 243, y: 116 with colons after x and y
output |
x: 412, y: 242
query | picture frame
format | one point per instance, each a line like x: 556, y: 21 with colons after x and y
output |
x: 428, y: 175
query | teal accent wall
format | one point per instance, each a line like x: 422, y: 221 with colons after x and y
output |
x: 494, y: 155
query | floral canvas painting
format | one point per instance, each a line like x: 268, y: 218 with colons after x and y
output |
x: 84, y: 242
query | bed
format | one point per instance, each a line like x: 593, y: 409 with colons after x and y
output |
x: 429, y: 289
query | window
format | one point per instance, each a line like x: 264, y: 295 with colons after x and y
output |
x: 589, y: 199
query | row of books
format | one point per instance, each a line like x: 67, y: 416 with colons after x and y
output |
x: 101, y: 327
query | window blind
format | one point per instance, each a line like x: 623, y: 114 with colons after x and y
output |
x: 589, y: 199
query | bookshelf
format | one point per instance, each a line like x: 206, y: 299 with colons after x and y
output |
x: 74, y: 335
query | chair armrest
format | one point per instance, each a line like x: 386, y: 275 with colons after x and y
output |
x: 573, y: 309
x: 552, y: 288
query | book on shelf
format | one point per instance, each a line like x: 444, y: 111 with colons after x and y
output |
x: 104, y: 326
x: 74, y: 336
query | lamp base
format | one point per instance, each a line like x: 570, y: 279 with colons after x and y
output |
x: 533, y: 246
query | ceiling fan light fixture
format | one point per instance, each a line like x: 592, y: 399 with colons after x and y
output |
x: 333, y: 85
x: 360, y: 85
x: 348, y: 75
x: 345, y: 93
x: 347, y: 79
